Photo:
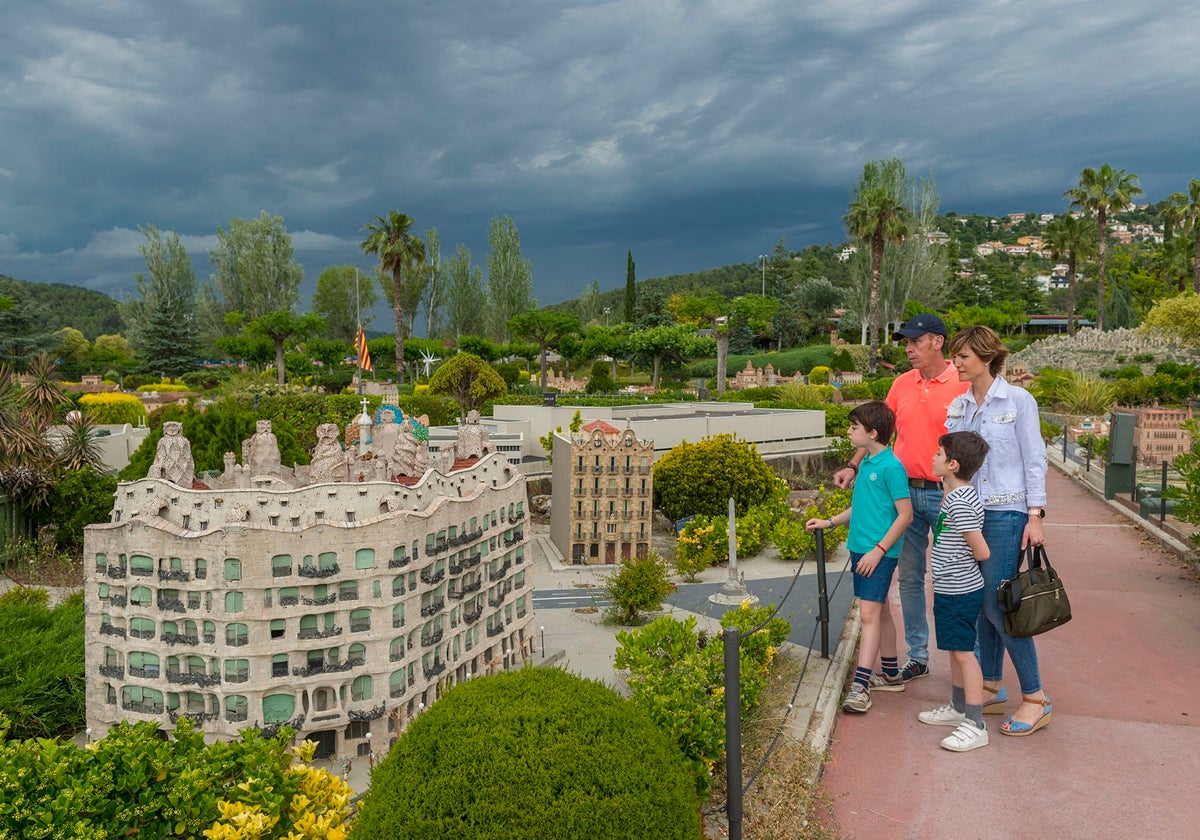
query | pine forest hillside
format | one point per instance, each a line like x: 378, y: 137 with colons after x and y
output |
x: 52, y: 306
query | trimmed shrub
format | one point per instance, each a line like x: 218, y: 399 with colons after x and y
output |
x: 163, y: 387
x: 696, y: 478
x: 113, y: 408
x: 819, y: 375
x: 677, y: 675
x: 527, y: 755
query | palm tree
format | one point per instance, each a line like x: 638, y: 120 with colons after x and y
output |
x: 1071, y: 238
x: 400, y: 253
x: 877, y: 215
x: 1187, y: 215
x: 1099, y: 191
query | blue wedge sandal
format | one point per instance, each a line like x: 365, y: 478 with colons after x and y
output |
x: 1017, y: 727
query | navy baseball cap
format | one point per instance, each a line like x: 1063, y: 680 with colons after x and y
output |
x: 919, y: 325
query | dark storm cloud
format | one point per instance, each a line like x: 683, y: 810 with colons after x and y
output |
x: 693, y: 133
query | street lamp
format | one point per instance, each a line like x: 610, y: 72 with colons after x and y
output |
x: 763, y: 259
x: 543, y: 641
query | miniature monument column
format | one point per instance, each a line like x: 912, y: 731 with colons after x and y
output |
x: 733, y: 591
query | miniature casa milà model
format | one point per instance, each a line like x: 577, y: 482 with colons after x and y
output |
x: 338, y: 598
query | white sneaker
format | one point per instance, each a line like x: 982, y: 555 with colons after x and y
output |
x: 942, y: 716
x: 966, y: 737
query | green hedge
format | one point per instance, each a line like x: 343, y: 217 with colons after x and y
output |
x: 536, y: 753
x: 41, y: 664
x: 801, y: 359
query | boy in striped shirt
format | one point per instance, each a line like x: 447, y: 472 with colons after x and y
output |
x: 958, y: 548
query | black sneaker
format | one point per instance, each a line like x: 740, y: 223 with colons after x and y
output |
x: 913, y: 669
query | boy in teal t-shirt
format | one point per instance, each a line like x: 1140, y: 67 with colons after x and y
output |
x: 880, y: 511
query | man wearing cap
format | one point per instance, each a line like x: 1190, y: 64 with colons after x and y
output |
x: 920, y: 399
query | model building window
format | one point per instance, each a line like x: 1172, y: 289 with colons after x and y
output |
x: 143, y: 664
x: 236, y: 635
x: 139, y: 564
x: 201, y: 568
x: 361, y: 689
x: 357, y: 654
x: 233, y: 568
x: 327, y: 560
x: 278, y: 708
x: 364, y: 558
x: 234, y: 602
x: 360, y: 620
x: 278, y: 628
x: 279, y: 665
x: 281, y: 565
x: 237, y: 670
x: 140, y: 596
x: 348, y: 591
x: 236, y: 708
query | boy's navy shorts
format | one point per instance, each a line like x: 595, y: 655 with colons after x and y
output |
x: 874, y: 588
x: 954, y: 619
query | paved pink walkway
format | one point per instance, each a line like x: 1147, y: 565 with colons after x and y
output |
x: 1121, y: 758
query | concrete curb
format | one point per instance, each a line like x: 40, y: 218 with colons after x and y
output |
x: 827, y: 706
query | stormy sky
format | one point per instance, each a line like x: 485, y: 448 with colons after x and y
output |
x: 694, y: 134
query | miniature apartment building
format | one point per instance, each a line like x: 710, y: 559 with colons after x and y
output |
x: 606, y: 515
x: 1159, y: 434
x: 339, y: 599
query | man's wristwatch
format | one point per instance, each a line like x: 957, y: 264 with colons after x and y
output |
x: 1041, y: 512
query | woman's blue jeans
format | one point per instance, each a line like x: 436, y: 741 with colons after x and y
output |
x: 1002, y: 531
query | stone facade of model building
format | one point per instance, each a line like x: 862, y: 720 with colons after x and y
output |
x: 338, y: 599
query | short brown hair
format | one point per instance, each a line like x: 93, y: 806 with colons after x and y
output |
x: 875, y: 416
x: 984, y: 343
x: 969, y: 449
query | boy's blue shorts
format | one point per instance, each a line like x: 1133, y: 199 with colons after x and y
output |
x: 954, y: 619
x: 874, y: 588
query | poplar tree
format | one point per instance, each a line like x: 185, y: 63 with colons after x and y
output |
x: 510, y: 276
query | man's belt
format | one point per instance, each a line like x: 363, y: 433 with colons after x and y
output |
x: 924, y: 484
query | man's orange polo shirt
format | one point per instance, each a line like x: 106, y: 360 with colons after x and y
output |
x: 921, y: 406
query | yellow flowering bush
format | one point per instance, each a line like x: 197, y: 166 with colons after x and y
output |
x: 113, y: 408
x: 170, y: 387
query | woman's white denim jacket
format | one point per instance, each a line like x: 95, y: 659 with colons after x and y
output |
x: 1013, y: 476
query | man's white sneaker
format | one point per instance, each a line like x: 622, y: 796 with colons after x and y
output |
x: 942, y: 716
x: 965, y: 738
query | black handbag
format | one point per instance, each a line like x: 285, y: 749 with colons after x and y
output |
x: 1035, y: 600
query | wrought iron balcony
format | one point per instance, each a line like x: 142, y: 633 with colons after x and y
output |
x: 311, y: 633
x: 433, y: 670
x: 314, y: 572
x: 433, y: 638
x: 433, y: 607
x: 174, y: 574
x: 115, y: 672
x: 176, y: 638
x: 112, y: 630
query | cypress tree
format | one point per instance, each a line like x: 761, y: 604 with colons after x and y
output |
x: 630, y: 288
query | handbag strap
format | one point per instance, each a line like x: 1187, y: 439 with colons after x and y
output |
x: 1035, y: 556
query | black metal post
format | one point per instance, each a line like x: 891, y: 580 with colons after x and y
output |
x: 1133, y: 476
x: 1064, y: 446
x: 1088, y: 448
x: 733, y: 731
x: 822, y: 593
x: 1162, y: 497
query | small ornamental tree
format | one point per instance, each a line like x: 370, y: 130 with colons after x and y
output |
x: 469, y: 381
x: 638, y: 586
x: 695, y: 478
x: 531, y: 754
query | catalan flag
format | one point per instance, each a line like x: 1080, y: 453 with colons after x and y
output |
x: 360, y: 347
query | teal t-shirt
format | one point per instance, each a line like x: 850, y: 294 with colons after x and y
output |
x: 881, y: 480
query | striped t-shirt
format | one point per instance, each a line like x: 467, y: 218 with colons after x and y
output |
x: 955, y: 570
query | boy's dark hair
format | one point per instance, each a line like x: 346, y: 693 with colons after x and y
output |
x: 876, y: 417
x: 968, y: 448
